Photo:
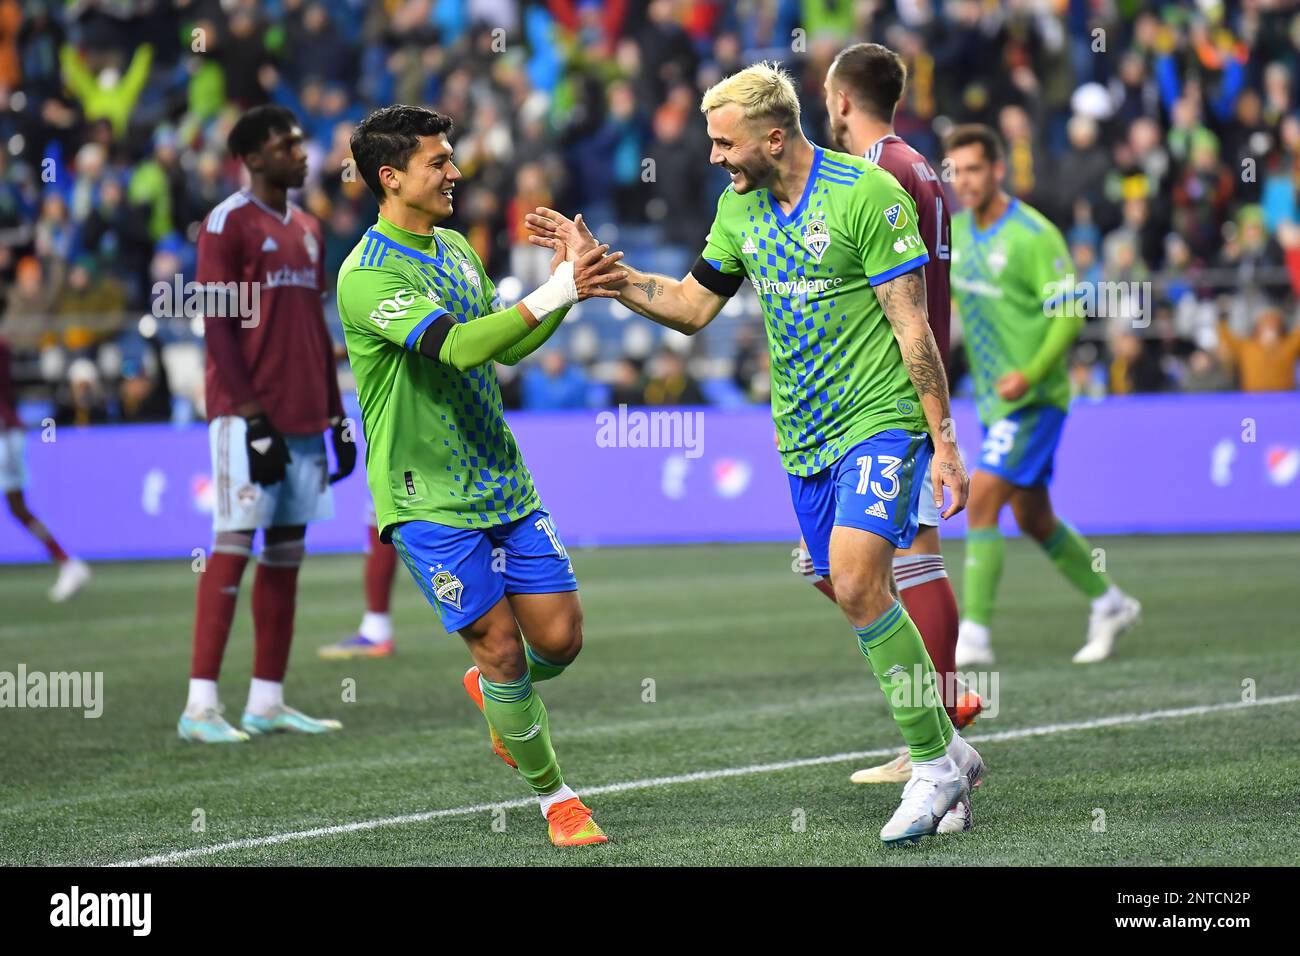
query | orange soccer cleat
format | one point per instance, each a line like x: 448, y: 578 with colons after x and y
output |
x: 569, y: 823
x: 969, y: 706
x: 476, y: 695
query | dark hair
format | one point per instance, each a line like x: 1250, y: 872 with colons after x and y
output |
x: 971, y: 134
x: 873, y: 76
x: 254, y: 128
x: 389, y: 136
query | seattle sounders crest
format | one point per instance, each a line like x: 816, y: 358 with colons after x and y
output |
x: 447, y: 587
x: 817, y: 238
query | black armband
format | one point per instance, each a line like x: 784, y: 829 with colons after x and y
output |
x: 433, y: 337
x: 715, y: 280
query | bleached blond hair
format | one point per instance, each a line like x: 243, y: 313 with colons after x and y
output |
x: 762, y: 91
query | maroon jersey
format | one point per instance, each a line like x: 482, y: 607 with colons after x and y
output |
x: 285, y: 359
x: 917, y: 177
x: 8, y: 402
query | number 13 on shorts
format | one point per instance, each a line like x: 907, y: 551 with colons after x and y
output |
x: 889, y: 466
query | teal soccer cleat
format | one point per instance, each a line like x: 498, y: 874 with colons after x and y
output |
x: 209, y: 727
x: 288, y: 720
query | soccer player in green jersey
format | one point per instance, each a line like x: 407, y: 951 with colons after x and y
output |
x: 1012, y: 287
x: 859, y: 398
x: 423, y: 325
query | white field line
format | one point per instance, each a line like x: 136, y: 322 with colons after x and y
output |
x: 1119, y: 720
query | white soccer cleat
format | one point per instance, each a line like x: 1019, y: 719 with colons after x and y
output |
x: 898, y: 770
x: 959, y: 819
x: 73, y: 575
x: 925, y: 803
x: 974, y: 648
x: 1104, y: 626
x: 968, y: 760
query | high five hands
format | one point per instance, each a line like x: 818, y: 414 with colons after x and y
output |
x: 549, y: 228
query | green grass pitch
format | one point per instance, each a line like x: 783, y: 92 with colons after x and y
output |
x: 750, y: 666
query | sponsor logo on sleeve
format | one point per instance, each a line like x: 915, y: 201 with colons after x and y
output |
x: 392, y: 308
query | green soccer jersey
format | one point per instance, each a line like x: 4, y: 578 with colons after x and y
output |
x: 1005, y: 281
x: 837, y: 372
x: 437, y: 444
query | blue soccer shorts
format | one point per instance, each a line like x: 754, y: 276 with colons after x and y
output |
x: 874, y: 487
x: 1021, y: 448
x: 464, y: 572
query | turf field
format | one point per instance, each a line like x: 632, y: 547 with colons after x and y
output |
x: 750, y: 668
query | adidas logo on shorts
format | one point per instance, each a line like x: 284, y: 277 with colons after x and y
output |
x: 878, y: 511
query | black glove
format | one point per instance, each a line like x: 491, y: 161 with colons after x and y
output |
x: 345, y: 449
x: 267, y: 453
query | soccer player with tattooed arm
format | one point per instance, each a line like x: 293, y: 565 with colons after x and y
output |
x: 864, y: 86
x: 859, y: 396
x: 424, y: 324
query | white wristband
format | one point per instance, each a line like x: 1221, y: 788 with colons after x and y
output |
x: 555, y: 293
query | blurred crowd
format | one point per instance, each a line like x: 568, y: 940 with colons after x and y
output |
x: 1163, y: 138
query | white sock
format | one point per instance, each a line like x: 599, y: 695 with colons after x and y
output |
x: 547, y: 800
x: 957, y: 747
x: 1109, y: 601
x: 937, y: 770
x: 203, y: 696
x: 376, y: 626
x: 971, y: 633
x: 264, y: 697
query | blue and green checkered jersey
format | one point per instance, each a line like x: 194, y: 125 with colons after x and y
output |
x: 837, y: 372
x: 437, y: 444
x: 1004, y: 281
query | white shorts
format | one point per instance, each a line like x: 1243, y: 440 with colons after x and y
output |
x: 927, y: 515
x: 13, y: 467
x: 302, y: 497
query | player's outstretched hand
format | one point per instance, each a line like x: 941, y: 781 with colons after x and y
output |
x: 268, y: 455
x: 546, y: 227
x: 345, y: 448
x: 598, y: 275
x: 947, y: 470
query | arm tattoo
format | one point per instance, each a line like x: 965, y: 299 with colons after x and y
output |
x: 903, y: 300
x: 650, y: 287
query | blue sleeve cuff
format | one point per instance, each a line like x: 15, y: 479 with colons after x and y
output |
x: 899, y: 269
x: 1061, y: 298
x: 413, y: 337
